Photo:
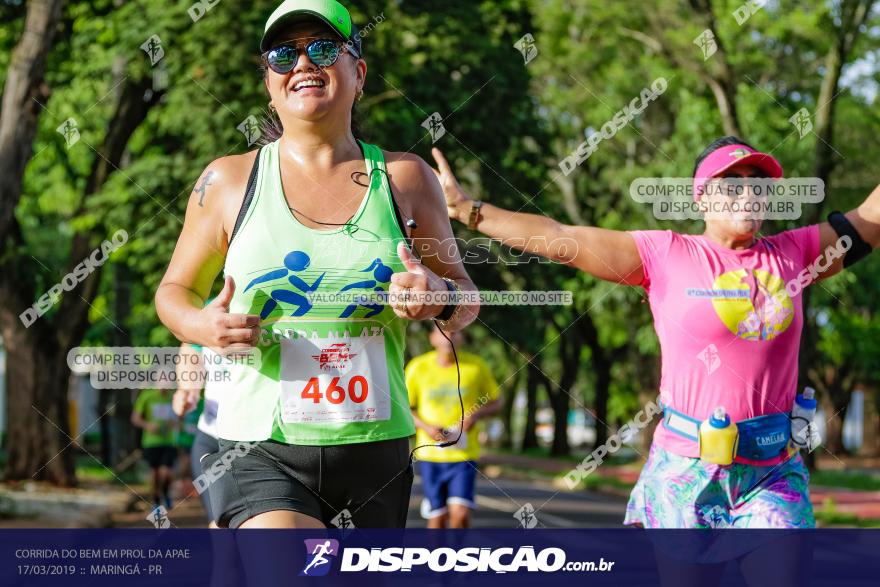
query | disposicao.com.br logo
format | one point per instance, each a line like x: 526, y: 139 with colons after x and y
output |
x: 442, y: 560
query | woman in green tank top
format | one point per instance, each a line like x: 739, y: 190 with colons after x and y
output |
x: 309, y: 234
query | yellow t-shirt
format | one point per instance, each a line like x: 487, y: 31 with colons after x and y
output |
x: 434, y: 396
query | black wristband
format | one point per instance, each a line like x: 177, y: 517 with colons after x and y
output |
x: 449, y: 309
x: 859, y: 249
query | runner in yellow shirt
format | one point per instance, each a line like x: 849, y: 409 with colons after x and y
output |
x: 449, y: 474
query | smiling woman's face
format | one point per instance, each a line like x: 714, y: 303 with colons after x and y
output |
x: 309, y: 92
x: 734, y: 224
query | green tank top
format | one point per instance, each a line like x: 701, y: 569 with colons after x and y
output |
x: 331, y: 366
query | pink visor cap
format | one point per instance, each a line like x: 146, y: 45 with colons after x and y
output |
x: 723, y: 158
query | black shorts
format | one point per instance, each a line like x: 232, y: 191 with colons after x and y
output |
x: 366, y: 485
x: 204, y: 444
x: 160, y: 456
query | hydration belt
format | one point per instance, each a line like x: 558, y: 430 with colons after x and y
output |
x: 760, y: 438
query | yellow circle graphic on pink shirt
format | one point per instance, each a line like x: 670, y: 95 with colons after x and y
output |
x: 755, y: 304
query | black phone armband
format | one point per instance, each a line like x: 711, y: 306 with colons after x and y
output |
x: 858, y: 249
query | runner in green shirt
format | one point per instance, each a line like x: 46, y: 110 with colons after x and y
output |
x: 153, y: 413
x: 310, y: 232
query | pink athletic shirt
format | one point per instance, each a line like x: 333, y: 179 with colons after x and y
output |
x: 729, y: 330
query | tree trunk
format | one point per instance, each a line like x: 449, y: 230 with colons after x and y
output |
x: 530, y: 438
x: 50, y: 338
x: 853, y: 15
x: 645, y: 396
x: 723, y: 82
x: 104, y: 427
x: 510, y: 395
x: 38, y: 434
x: 602, y: 361
x: 119, y: 437
x: 716, y: 72
x: 23, y: 91
x: 560, y: 394
x: 871, y: 426
x: 36, y: 380
x: 835, y: 405
x: 560, y: 402
x: 602, y: 368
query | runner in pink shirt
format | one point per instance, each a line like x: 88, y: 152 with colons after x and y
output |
x: 728, y: 311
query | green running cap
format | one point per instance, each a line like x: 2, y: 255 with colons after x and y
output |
x: 331, y: 12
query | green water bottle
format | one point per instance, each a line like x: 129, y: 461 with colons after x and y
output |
x: 719, y: 438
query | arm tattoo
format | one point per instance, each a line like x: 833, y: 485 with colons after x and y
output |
x: 206, y: 181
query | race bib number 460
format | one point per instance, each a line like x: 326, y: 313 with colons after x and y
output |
x: 334, y: 379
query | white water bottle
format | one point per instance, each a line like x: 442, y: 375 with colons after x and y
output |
x: 802, y: 414
x: 451, y: 433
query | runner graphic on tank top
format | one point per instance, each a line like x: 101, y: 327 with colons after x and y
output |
x: 294, y: 261
x: 381, y: 274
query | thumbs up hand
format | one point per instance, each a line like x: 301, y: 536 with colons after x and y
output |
x: 409, y: 288
x: 228, y: 333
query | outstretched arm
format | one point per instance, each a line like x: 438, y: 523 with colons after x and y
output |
x: 607, y: 254
x: 865, y: 219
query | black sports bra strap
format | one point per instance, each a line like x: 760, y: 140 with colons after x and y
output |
x: 248, y: 195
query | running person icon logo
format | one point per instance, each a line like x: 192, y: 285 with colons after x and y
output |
x: 434, y: 125
x: 154, y: 50
x: 526, y: 46
x: 159, y: 518
x: 250, y: 128
x: 710, y: 358
x: 707, y: 44
x: 343, y: 520
x: 717, y: 517
x: 317, y: 552
x: 69, y: 131
x: 526, y: 516
x: 802, y: 122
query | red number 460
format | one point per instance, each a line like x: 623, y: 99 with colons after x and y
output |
x: 335, y: 394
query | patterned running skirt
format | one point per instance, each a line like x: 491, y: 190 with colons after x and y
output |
x: 683, y: 492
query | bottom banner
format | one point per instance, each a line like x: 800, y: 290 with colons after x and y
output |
x: 71, y: 558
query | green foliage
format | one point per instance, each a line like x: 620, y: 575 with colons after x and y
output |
x: 827, y: 515
x: 846, y: 479
x: 88, y: 470
x: 508, y: 126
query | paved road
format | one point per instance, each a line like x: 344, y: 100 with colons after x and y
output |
x: 497, y: 499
